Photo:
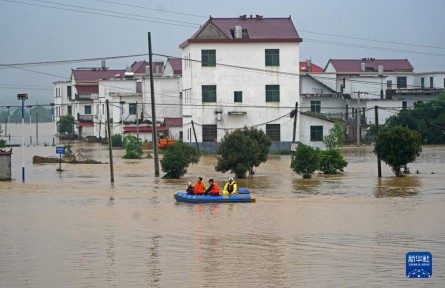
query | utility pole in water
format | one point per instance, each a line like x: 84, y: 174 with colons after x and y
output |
x: 153, y: 109
x: 359, y: 116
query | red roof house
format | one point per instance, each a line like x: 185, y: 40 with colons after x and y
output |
x: 368, y: 65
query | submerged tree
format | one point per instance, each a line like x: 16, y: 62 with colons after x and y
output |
x: 177, y: 158
x: 331, y: 161
x: 397, y: 146
x: 242, y: 150
x: 133, y: 147
x: 305, y: 160
x: 66, y: 124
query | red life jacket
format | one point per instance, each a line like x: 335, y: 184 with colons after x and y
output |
x: 199, y: 187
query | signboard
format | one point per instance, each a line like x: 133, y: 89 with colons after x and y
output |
x: 60, y: 149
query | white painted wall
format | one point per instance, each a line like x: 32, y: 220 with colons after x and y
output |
x: 251, y: 82
x: 438, y: 79
x: 305, y: 132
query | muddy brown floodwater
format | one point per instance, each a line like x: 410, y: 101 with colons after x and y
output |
x: 75, y: 229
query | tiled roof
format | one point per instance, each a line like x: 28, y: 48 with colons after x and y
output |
x: 173, y: 122
x: 312, y: 68
x: 354, y: 65
x: 94, y: 75
x: 176, y: 64
x: 255, y: 29
x: 139, y: 67
x: 87, y: 89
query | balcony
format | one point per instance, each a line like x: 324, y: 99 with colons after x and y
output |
x: 85, y: 118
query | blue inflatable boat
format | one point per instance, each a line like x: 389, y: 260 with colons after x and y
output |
x: 241, y: 197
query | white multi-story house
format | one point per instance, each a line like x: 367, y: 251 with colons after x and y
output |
x: 128, y: 92
x: 240, y: 72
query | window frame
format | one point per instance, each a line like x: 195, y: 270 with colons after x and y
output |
x: 272, y: 57
x: 88, y: 107
x: 207, y: 93
x: 316, y: 106
x: 209, y: 133
x: 208, y: 57
x: 401, y: 82
x: 238, y: 96
x: 273, y: 131
x: 316, y: 133
x: 272, y: 93
x: 132, y: 109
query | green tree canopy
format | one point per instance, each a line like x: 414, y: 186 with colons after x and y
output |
x: 305, y: 160
x: 336, y: 136
x: 242, y: 150
x: 133, y: 147
x: 427, y: 118
x: 331, y: 161
x: 66, y: 124
x: 177, y: 158
x: 397, y: 146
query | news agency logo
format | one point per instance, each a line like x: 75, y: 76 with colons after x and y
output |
x: 419, y: 265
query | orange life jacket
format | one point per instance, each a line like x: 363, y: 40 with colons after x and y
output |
x: 215, y: 189
x: 199, y: 187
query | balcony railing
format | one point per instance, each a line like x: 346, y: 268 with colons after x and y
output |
x: 85, y: 118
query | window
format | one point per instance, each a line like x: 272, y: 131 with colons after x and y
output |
x: 208, y: 58
x: 272, y: 93
x: 389, y: 84
x: 431, y: 82
x: 70, y: 110
x: 443, y: 82
x: 209, y: 133
x: 132, y: 108
x: 316, y: 106
x: 208, y: 93
x: 68, y: 91
x: 316, y: 133
x: 404, y: 105
x: 273, y: 131
x: 422, y: 83
x: 272, y: 57
x: 238, y: 96
x: 401, y: 82
x: 87, y: 109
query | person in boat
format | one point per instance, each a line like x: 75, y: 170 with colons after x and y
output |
x: 213, y: 189
x: 230, y: 188
x: 190, y: 189
x: 199, y: 187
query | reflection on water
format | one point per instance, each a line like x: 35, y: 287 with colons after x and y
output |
x: 76, y: 229
x: 398, y: 187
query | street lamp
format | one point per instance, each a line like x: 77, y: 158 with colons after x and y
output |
x: 23, y: 97
x: 52, y: 120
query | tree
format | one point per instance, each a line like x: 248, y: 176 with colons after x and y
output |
x: 177, y: 158
x: 305, y: 160
x: 397, y: 146
x: 133, y: 147
x: 427, y: 118
x: 242, y: 150
x: 116, y: 140
x: 336, y: 136
x: 66, y: 124
x: 331, y: 161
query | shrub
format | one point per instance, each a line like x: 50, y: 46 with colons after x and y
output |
x: 331, y: 161
x: 133, y: 147
x: 305, y: 160
x: 177, y: 158
x: 116, y: 140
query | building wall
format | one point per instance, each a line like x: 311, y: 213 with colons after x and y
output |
x: 438, y: 79
x: 246, y: 57
x: 305, y: 132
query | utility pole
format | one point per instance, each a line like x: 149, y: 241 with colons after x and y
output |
x: 37, y: 128
x: 359, y: 116
x: 110, y: 151
x: 379, y: 162
x: 295, y: 122
x: 137, y: 120
x: 153, y: 109
x: 22, y: 97
x: 194, y: 133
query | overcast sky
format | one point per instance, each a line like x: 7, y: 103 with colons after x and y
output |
x: 330, y: 29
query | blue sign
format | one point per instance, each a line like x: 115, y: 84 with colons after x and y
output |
x: 60, y: 149
x: 419, y: 265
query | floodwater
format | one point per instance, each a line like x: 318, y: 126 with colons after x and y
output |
x: 76, y: 229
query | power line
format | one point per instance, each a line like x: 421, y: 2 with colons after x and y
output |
x: 100, y: 14
x: 152, y: 9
